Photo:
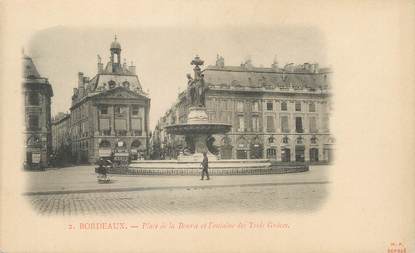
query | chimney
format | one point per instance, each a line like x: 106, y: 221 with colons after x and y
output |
x: 81, y: 85
x: 80, y: 79
x: 86, y: 80
x: 274, y: 64
x: 100, y: 68
x: 131, y: 68
x: 315, y: 68
x: 124, y: 65
x: 100, y: 65
x: 220, y: 61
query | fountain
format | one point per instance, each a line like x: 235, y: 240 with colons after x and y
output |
x: 198, y: 128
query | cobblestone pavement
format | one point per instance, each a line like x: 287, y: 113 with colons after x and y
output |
x: 83, y: 178
x: 244, y: 198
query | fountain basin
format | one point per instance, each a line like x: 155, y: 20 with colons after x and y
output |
x: 198, y: 128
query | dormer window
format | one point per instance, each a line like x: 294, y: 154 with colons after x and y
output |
x: 126, y: 84
x: 112, y: 84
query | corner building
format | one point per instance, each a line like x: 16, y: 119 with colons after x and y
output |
x: 37, y: 93
x: 109, y: 112
x: 276, y: 113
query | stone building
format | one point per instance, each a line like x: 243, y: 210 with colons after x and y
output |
x: 109, y: 111
x: 61, y: 141
x: 275, y: 113
x: 37, y: 93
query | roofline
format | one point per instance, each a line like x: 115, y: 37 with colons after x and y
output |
x: 264, y: 71
x: 86, y: 97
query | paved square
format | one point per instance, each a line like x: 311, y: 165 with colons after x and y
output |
x: 175, y: 194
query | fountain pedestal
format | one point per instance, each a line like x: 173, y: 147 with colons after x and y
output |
x: 198, y: 129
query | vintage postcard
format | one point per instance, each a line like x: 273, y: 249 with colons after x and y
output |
x: 209, y: 126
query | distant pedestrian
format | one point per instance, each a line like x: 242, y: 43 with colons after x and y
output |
x: 205, y: 166
x: 102, y: 169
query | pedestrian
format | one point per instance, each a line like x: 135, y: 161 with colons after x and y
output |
x: 205, y: 166
x: 101, y: 169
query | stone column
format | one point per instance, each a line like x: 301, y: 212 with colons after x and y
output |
x: 96, y: 120
x: 292, y: 151
x: 112, y: 112
x: 306, y: 151
x: 128, y: 121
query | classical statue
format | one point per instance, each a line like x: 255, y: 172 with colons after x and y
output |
x: 196, y: 87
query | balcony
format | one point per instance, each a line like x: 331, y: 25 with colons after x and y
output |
x: 299, y: 130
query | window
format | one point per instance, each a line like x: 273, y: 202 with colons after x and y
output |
x: 240, y: 106
x: 126, y: 84
x: 313, y: 125
x: 33, y: 122
x: 112, y: 84
x: 135, y: 110
x: 255, y: 106
x: 241, y: 124
x: 299, y: 125
x: 136, y: 124
x: 120, y: 109
x: 271, y: 139
x: 270, y: 124
x: 105, y: 144
x: 270, y: 106
x: 284, y: 106
x: 298, y: 106
x: 312, y: 107
x: 284, y: 124
x: 135, y: 144
x: 271, y: 153
x: 103, y: 109
x: 255, y: 123
x: 33, y: 98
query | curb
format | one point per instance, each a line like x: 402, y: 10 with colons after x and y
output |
x: 166, y: 188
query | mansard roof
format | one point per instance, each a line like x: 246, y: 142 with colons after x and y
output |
x: 32, y: 77
x: 29, y: 68
x: 119, y: 92
x: 259, y: 77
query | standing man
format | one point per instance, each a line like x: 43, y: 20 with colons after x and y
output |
x: 205, y: 166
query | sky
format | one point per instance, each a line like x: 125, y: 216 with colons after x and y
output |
x: 162, y: 55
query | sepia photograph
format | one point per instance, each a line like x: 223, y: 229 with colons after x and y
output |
x: 129, y: 120
x: 176, y: 126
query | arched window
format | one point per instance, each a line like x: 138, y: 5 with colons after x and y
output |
x: 135, y: 144
x: 112, y: 84
x: 33, y: 140
x: 104, y: 144
x: 126, y: 84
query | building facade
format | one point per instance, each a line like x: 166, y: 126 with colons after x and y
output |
x: 37, y: 93
x: 276, y: 113
x: 109, y: 112
x: 61, y: 141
